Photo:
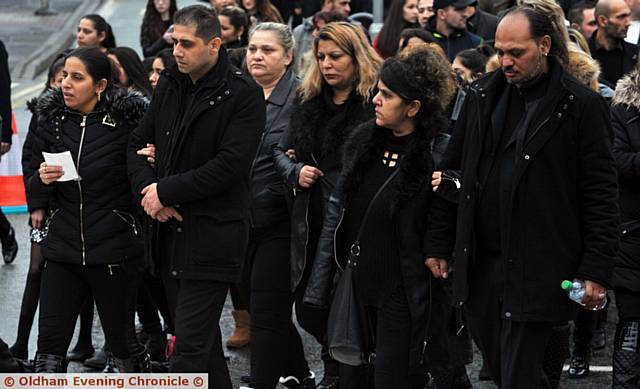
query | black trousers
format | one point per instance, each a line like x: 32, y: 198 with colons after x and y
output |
x: 390, y: 325
x: 198, y: 346
x: 276, y: 346
x: 513, y: 351
x: 62, y: 294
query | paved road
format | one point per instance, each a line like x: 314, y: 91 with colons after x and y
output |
x: 125, y: 17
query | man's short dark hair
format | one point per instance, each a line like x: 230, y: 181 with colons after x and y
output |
x: 576, y: 14
x: 203, y: 18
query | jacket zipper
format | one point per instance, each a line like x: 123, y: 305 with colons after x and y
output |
x: 84, y: 127
x: 306, y: 221
x: 131, y: 222
x: 335, y: 238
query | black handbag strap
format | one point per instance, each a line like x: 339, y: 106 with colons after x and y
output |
x: 354, y: 250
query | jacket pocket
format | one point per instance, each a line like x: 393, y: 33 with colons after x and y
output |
x: 128, y: 219
x: 219, y: 242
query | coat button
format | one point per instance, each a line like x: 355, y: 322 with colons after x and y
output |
x: 464, y: 249
x: 174, y: 273
x: 179, y: 229
x: 57, y: 136
x: 226, y: 92
x: 468, y: 197
x: 527, y: 157
x: 167, y: 133
x: 212, y: 102
x: 571, y: 97
x: 507, y: 314
x: 565, y: 106
x: 219, y: 98
x: 559, y: 115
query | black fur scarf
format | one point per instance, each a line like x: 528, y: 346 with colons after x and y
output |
x: 313, y: 116
x: 365, y: 147
x: 122, y: 105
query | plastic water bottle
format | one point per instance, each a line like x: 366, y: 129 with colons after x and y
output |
x: 576, y: 290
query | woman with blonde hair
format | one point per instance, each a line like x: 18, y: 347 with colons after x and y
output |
x: 334, y: 98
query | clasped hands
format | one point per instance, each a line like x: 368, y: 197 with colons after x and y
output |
x: 150, y: 201
x: 154, y: 208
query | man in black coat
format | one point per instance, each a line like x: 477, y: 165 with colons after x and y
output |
x: 205, y: 119
x: 615, y: 56
x: 538, y: 201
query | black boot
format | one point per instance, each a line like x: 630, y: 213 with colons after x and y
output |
x: 9, y: 247
x: 98, y: 361
x: 626, y: 356
x: 584, y: 327
x: 46, y: 363
x: 156, y: 344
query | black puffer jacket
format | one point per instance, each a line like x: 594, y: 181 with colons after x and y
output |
x: 93, y: 221
x: 308, y: 121
x: 625, y: 119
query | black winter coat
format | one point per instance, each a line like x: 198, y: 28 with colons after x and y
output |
x: 562, y: 218
x: 308, y: 119
x: 268, y: 203
x: 33, y: 202
x: 202, y: 167
x: 625, y: 118
x: 93, y: 221
x: 412, y: 196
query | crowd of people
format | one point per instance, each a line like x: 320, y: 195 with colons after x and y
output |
x: 405, y: 191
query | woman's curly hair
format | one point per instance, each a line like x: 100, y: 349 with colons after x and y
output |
x: 427, y: 76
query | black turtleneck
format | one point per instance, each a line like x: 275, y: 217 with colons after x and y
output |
x: 519, y: 106
x: 378, y: 269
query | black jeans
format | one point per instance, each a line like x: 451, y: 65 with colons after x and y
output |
x: 391, y: 325
x: 198, y: 346
x: 276, y: 346
x: 62, y: 294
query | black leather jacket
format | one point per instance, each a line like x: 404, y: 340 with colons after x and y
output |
x: 267, y: 189
x: 309, y: 118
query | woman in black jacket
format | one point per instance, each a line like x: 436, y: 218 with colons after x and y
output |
x: 333, y: 99
x: 92, y: 232
x: 155, y: 32
x: 38, y: 208
x: 270, y: 63
x: 625, y: 118
x: 377, y: 217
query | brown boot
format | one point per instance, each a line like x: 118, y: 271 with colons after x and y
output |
x: 241, y: 335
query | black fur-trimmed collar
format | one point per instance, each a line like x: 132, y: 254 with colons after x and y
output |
x: 366, y: 145
x: 311, y: 116
x: 122, y: 105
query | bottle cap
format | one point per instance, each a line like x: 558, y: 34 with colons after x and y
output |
x: 566, y: 285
